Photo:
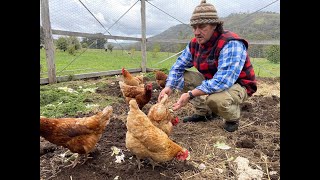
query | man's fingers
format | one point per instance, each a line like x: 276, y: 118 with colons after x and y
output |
x: 160, y: 97
x: 176, y: 106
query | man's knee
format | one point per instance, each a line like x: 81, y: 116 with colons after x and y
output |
x: 192, y: 79
x: 218, y: 104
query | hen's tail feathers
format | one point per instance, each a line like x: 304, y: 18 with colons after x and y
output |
x: 133, y: 104
x: 106, y: 114
x: 121, y: 84
x: 140, y: 78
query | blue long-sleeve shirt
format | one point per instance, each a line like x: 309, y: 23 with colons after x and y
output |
x: 230, y: 63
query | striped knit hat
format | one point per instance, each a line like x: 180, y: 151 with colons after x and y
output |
x: 205, y: 13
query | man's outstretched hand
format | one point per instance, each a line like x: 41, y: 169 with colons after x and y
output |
x: 166, y: 90
x: 183, y: 100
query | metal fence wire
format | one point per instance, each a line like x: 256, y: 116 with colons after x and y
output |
x: 167, y: 26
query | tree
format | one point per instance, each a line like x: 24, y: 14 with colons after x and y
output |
x: 256, y: 51
x: 74, y: 42
x: 101, y: 42
x: 181, y: 46
x: 84, y: 45
x: 95, y: 43
x: 91, y: 44
x: 62, y: 43
x: 133, y: 49
x: 110, y: 47
x: 71, y: 49
x: 156, y: 49
x: 273, y: 53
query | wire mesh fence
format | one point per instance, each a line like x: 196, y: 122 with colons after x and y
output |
x: 167, y: 32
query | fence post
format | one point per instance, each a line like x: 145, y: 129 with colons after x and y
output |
x: 48, y: 41
x: 143, y: 38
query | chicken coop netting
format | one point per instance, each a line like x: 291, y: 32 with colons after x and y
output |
x: 101, y: 26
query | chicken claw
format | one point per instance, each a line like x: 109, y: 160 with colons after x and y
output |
x: 153, y: 163
x: 86, y: 158
x: 139, y: 163
x: 76, y: 161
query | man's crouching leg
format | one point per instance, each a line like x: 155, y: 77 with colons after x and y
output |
x: 227, y: 105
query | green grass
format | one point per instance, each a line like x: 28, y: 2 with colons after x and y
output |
x: 264, y: 68
x: 73, y: 98
x: 81, y: 99
x: 96, y: 60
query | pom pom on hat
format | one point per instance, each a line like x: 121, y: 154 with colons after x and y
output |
x: 205, y: 13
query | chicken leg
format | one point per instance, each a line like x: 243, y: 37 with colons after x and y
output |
x: 86, y: 158
x: 153, y: 163
x: 139, y: 162
x: 75, y: 162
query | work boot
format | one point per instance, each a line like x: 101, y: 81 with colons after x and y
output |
x: 197, y: 118
x: 231, y: 126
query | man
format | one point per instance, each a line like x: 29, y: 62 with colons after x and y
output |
x: 225, y: 73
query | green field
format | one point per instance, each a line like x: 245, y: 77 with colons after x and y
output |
x: 97, y: 60
x: 264, y: 68
x: 58, y: 100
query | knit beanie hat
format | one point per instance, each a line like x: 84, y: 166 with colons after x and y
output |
x: 205, y: 13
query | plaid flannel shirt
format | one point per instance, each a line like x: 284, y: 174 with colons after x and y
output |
x: 230, y: 63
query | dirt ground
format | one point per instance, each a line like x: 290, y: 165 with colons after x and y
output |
x: 257, y: 140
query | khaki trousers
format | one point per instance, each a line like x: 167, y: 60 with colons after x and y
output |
x: 225, y: 104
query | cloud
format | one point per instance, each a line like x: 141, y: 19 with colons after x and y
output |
x: 115, y: 16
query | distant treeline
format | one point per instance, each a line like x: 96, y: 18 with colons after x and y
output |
x: 251, y: 26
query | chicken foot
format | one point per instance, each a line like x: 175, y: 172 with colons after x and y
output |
x: 69, y: 156
x: 153, y: 163
x: 86, y: 158
x: 76, y: 161
x: 139, y: 163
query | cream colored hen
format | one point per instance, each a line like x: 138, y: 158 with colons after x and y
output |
x: 147, y: 141
x: 160, y: 116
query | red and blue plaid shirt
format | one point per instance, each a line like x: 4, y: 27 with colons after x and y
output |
x: 223, y: 61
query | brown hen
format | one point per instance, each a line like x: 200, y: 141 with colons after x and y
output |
x: 131, y: 80
x: 79, y: 135
x: 141, y: 94
x: 161, y: 78
x: 147, y: 141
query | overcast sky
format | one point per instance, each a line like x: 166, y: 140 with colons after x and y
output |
x: 116, y: 18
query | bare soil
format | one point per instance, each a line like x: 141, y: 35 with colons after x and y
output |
x: 257, y: 139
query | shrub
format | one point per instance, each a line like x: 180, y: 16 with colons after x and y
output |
x: 273, y: 54
x: 71, y: 49
x: 62, y: 43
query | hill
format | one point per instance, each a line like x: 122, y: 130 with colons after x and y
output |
x: 253, y: 26
x: 257, y: 26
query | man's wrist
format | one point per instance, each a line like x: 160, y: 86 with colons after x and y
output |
x: 191, y: 96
